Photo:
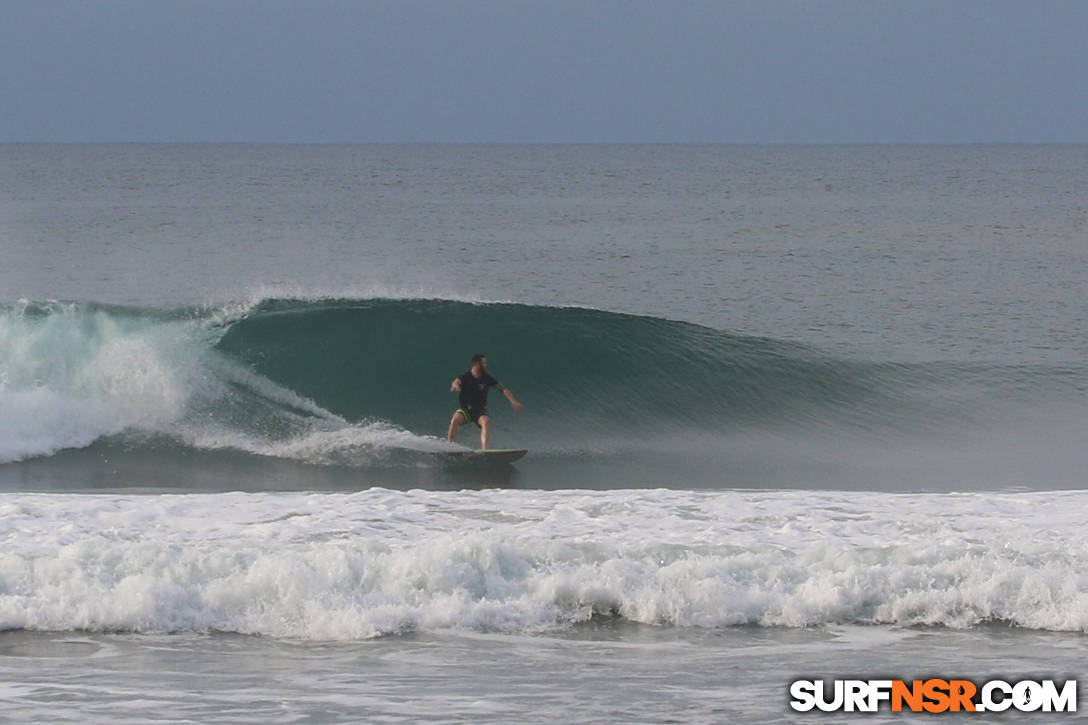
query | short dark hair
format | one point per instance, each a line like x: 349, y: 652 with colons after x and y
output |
x: 478, y: 357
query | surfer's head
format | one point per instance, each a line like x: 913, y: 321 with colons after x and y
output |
x: 479, y: 359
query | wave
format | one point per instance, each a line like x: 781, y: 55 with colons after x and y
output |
x: 350, y: 381
x: 381, y: 562
x: 592, y: 374
x: 72, y: 374
x: 578, y: 367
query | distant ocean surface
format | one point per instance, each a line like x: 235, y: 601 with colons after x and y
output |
x: 792, y: 412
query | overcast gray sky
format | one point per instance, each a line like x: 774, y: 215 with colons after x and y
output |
x: 759, y: 71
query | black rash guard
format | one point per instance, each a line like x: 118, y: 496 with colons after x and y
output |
x: 473, y: 397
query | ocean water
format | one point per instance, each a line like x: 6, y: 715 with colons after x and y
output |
x: 792, y: 412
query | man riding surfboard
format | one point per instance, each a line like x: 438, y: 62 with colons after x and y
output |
x: 473, y: 386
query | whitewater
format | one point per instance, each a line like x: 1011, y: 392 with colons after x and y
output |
x: 381, y: 562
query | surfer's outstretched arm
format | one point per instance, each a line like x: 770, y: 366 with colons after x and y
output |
x: 455, y: 386
x: 513, y: 401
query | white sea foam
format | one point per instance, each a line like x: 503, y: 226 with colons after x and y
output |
x: 345, y: 444
x: 75, y: 375
x: 336, y: 566
x: 71, y: 374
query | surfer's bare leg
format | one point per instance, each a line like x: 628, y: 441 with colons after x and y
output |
x: 485, y: 431
x: 455, y: 422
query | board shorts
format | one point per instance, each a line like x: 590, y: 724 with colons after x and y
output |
x: 470, y: 418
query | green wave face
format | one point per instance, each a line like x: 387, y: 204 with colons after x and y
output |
x: 579, y: 372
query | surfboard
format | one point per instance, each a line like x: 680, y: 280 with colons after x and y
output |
x: 491, y: 455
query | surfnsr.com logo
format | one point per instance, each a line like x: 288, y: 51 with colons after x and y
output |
x: 933, y: 695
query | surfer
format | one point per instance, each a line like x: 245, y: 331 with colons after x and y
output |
x: 473, y: 386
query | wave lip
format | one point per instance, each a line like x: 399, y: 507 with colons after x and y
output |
x: 380, y: 562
